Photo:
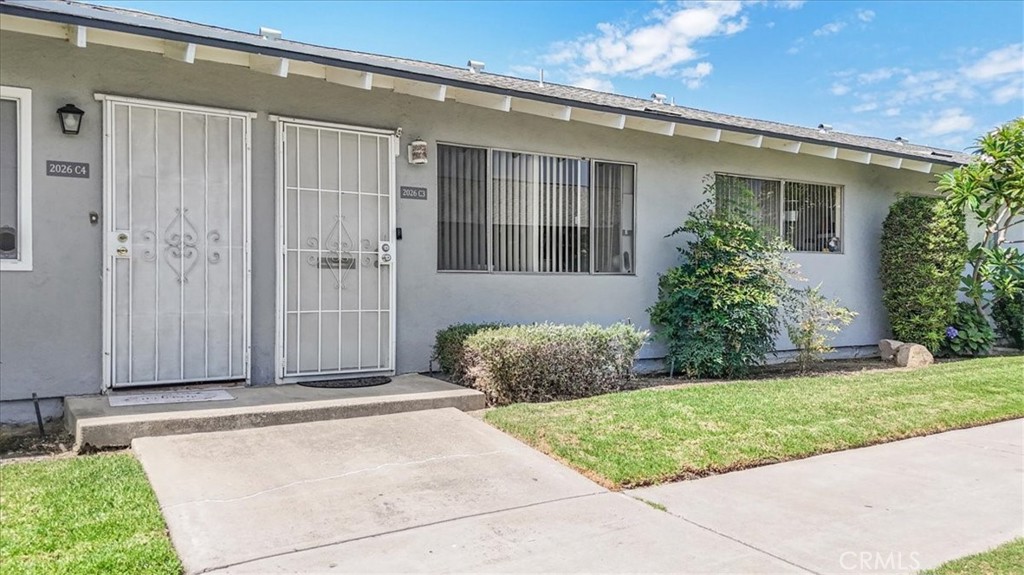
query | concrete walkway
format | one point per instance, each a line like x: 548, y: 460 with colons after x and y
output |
x: 441, y: 491
x: 897, y: 507
x: 426, y: 491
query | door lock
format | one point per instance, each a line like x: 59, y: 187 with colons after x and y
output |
x: 121, y: 241
x: 385, y: 252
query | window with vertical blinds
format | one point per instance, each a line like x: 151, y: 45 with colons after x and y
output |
x: 503, y: 211
x: 808, y: 216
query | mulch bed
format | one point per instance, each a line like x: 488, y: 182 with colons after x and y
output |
x: 21, y: 442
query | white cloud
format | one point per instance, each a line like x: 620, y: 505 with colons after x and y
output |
x: 1001, y: 72
x: 998, y: 63
x: 937, y: 105
x: 830, y: 28
x: 839, y: 89
x: 664, y: 42
x: 1009, y: 92
x: 599, y: 84
x: 948, y: 121
x: 657, y: 47
x: 695, y: 75
x: 865, y: 15
x: 878, y: 75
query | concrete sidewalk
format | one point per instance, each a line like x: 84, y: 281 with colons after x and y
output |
x: 897, y: 507
x: 425, y: 491
x: 440, y: 490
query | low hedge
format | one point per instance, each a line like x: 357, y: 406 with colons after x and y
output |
x: 547, y: 362
x: 448, y: 345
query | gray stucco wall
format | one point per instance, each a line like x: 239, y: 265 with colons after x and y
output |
x: 50, y: 335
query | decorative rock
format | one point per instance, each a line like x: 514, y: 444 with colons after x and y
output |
x: 887, y: 348
x: 913, y: 355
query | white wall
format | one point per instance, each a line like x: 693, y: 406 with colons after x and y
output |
x: 50, y: 318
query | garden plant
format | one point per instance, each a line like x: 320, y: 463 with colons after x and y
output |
x: 923, y: 253
x: 815, y: 319
x: 719, y: 311
x: 991, y: 189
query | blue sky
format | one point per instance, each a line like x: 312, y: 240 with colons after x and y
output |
x: 937, y: 73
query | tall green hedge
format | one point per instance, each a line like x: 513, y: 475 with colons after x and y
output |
x: 924, y: 250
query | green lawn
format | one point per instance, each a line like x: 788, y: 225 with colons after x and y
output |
x: 656, y: 435
x: 1007, y: 559
x: 90, y: 514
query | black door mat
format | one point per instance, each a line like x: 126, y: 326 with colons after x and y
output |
x: 347, y: 383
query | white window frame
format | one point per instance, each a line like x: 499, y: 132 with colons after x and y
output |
x: 840, y: 221
x: 23, y: 98
x: 490, y: 183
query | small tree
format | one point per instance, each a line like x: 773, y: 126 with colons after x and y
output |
x: 923, y: 253
x: 814, y: 321
x: 991, y: 188
x: 718, y: 311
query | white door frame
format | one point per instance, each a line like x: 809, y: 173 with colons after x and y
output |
x: 280, y: 122
x: 107, y: 219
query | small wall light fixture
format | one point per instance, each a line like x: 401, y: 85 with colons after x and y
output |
x: 417, y: 152
x: 70, y: 119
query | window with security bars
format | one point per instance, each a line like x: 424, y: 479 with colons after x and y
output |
x: 503, y: 211
x: 808, y: 216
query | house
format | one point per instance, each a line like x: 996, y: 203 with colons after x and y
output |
x: 241, y: 207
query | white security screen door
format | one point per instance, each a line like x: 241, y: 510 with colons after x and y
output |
x: 176, y: 262
x: 337, y: 259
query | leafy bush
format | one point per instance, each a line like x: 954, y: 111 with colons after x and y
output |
x: 718, y: 312
x: 970, y: 333
x: 1008, y: 313
x: 545, y: 362
x: 448, y: 346
x: 815, y: 318
x: 924, y: 250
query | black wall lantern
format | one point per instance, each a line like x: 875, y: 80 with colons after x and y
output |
x: 70, y: 119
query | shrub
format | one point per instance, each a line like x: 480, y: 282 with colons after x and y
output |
x: 448, y: 346
x: 718, y: 312
x: 924, y: 250
x: 1008, y: 313
x: 545, y: 362
x: 970, y: 333
x: 815, y: 318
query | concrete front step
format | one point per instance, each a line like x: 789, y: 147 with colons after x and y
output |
x: 95, y: 424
